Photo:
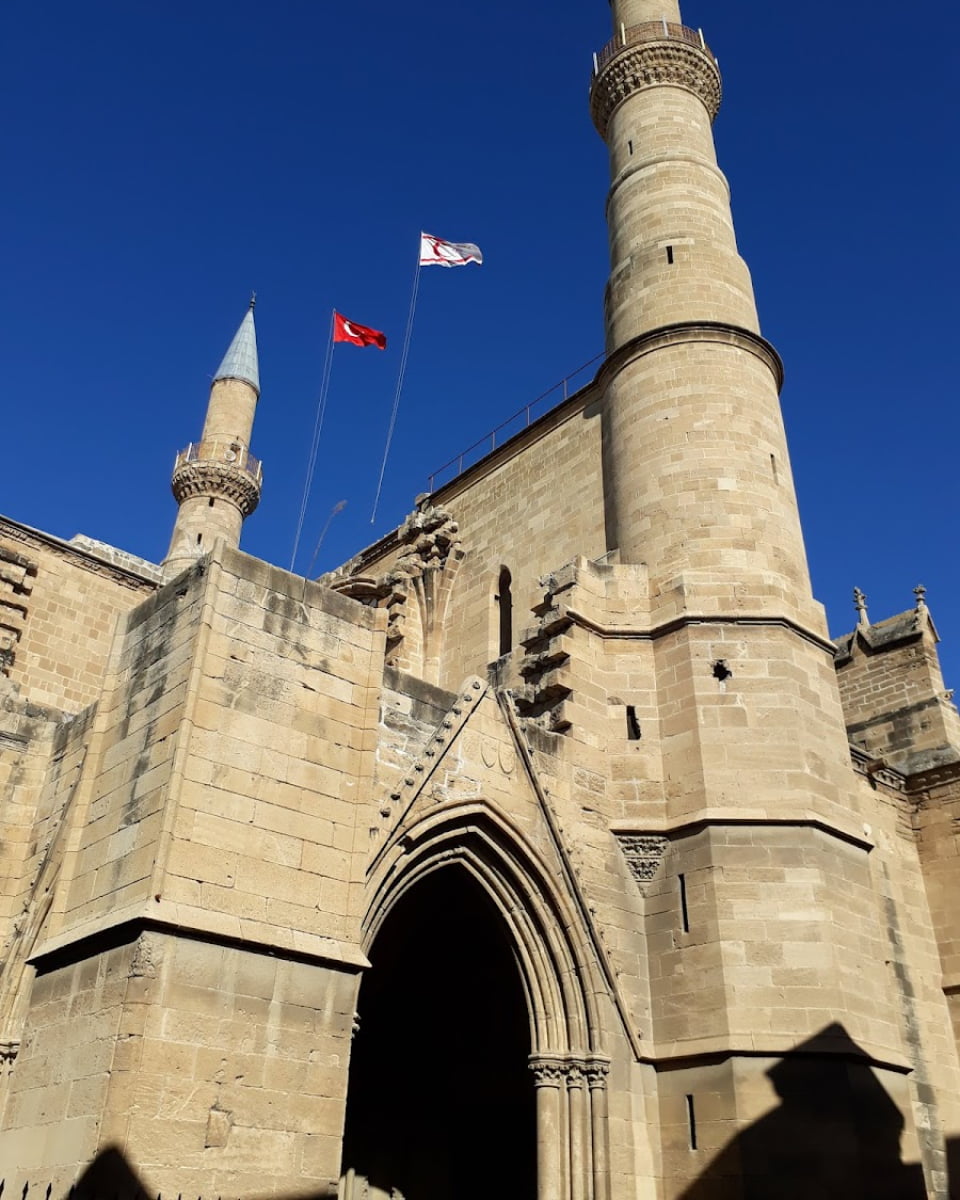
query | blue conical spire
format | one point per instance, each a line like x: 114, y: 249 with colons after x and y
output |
x: 240, y: 361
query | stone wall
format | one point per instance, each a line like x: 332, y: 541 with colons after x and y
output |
x: 895, y: 703
x: 197, y: 947
x: 59, y: 605
x: 532, y: 506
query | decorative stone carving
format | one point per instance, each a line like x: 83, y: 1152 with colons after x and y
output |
x: 431, y: 536
x: 416, y: 589
x: 207, y: 477
x: 17, y: 574
x: 544, y: 666
x: 424, y: 573
x: 147, y: 956
x: 596, y: 1071
x: 644, y: 854
x: 569, y: 1071
x: 576, y: 1074
x: 424, y: 768
x: 549, y: 1072
x: 8, y: 1055
x: 649, y: 64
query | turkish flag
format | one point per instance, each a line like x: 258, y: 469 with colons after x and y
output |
x: 357, y: 335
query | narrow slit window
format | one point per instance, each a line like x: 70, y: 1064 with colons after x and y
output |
x: 505, y: 606
x: 691, y: 1122
x: 670, y: 255
x: 684, y: 911
x: 633, y: 725
x: 630, y: 147
x: 211, y: 502
x: 199, y: 539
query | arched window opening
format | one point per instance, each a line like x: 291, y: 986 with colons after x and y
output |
x: 504, y: 600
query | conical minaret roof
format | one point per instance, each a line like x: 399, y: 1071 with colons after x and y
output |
x: 240, y: 360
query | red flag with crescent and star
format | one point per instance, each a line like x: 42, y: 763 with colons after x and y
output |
x: 357, y: 335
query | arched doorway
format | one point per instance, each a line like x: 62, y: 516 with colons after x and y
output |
x: 441, y: 1102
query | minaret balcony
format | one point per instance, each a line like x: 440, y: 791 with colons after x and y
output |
x: 218, y: 469
x: 651, y: 31
x: 643, y: 56
x: 231, y: 453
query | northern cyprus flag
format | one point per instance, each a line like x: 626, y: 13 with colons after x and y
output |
x: 435, y: 252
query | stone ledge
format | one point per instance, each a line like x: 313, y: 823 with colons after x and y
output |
x: 741, y: 817
x: 676, y: 1055
x: 717, y: 332
x: 179, y: 920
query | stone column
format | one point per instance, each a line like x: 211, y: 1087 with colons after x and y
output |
x: 596, y: 1071
x: 579, y: 1127
x: 550, y: 1081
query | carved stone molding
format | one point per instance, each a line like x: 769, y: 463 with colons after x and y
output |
x: 430, y: 536
x: 391, y: 811
x: 545, y: 665
x: 569, y: 1071
x: 549, y: 1072
x: 596, y: 1071
x: 651, y: 64
x: 205, y: 477
x: 8, y: 1056
x: 644, y: 853
x: 424, y: 570
x: 17, y: 576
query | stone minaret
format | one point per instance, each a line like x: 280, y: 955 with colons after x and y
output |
x: 217, y: 481
x: 700, y: 504
x: 696, y: 474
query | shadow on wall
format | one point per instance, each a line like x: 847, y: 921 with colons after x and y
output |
x: 111, y: 1177
x: 835, y: 1136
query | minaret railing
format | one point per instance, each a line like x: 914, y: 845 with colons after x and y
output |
x: 230, y: 453
x: 651, y: 31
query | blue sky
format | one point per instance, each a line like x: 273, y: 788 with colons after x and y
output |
x: 163, y: 160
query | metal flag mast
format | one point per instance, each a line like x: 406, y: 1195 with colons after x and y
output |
x: 403, y: 368
x: 315, y: 442
x: 433, y: 251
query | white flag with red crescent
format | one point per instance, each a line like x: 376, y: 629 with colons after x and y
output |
x: 435, y: 252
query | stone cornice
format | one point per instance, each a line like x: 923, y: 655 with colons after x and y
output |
x: 123, y: 927
x: 207, y: 477
x: 654, y: 632
x: 692, y: 331
x: 131, y: 572
x: 728, y: 818
x: 653, y: 64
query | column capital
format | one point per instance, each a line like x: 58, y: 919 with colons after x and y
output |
x: 549, y: 1070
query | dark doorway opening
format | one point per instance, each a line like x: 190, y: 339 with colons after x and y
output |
x: 441, y: 1103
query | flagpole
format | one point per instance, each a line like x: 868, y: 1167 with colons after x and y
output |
x: 403, y: 368
x: 315, y: 441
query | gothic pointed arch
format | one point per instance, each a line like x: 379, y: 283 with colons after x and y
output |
x: 558, y: 967
x: 560, y: 976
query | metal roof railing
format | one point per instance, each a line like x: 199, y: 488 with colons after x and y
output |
x: 510, y: 427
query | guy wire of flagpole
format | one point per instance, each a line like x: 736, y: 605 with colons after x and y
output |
x: 337, y: 508
x: 403, y: 368
x: 315, y: 443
